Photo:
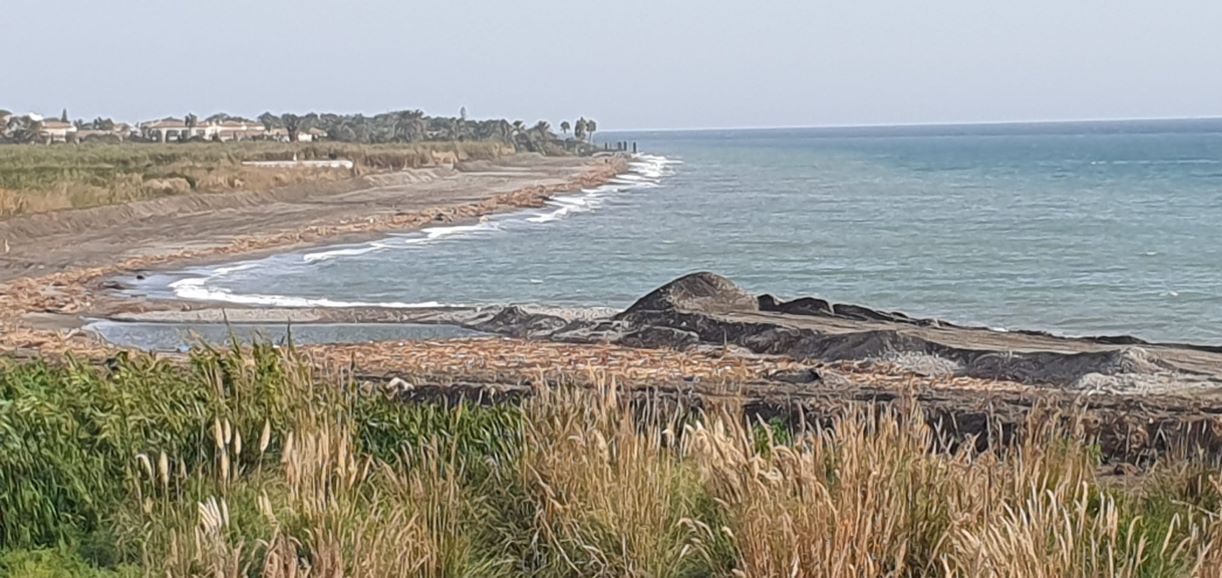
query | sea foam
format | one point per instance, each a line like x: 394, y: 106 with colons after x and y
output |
x: 645, y: 172
x: 195, y: 289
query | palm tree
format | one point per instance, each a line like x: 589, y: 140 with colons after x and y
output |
x: 591, y: 127
x: 565, y: 127
x: 191, y: 121
x: 540, y: 135
x: 407, y: 125
x: 579, y: 129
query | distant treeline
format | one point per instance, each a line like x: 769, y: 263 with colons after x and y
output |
x: 415, y: 126
x: 407, y: 126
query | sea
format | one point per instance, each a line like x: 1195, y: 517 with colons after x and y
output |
x: 1099, y: 228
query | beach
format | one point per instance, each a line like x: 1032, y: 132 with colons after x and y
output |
x: 569, y: 290
x: 55, y: 263
x: 701, y: 334
x: 394, y: 316
x: 171, y: 259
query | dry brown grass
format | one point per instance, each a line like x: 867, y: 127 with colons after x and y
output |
x: 518, y: 360
x: 581, y: 481
x: 35, y: 179
x: 610, y: 499
x: 867, y: 497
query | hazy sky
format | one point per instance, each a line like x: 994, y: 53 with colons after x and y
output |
x: 628, y: 63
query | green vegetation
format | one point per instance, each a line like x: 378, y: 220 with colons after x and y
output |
x: 404, y: 126
x: 412, y: 126
x: 116, y: 165
x: 253, y: 464
x: 42, y: 178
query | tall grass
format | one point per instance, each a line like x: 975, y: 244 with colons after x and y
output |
x: 40, y: 178
x: 253, y: 463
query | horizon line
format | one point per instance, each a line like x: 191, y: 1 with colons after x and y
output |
x: 924, y: 124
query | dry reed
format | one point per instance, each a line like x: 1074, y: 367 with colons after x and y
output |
x: 576, y: 481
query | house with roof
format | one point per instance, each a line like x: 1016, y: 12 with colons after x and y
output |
x: 170, y: 129
x: 120, y: 131
x: 175, y: 129
x: 232, y: 130
x: 56, y: 130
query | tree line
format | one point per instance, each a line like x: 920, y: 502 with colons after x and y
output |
x: 389, y: 127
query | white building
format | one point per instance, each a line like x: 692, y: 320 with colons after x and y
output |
x: 173, y: 129
x: 56, y: 130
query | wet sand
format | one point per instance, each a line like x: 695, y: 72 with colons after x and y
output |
x: 55, y: 266
x: 195, y: 225
x: 59, y: 269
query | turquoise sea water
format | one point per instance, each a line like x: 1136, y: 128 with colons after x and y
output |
x: 1082, y: 228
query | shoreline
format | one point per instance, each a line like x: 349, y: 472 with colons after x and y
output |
x: 703, y: 311
x: 52, y: 299
x: 699, y: 337
x: 48, y: 313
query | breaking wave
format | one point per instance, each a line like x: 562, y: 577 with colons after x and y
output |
x: 645, y: 172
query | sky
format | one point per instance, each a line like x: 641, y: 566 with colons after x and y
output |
x: 630, y: 64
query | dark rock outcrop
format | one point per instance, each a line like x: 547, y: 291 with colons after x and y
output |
x: 811, y: 306
x: 705, y: 310
x: 696, y: 292
x: 800, y: 306
x: 515, y: 321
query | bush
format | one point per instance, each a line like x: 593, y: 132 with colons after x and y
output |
x: 54, y: 564
x: 40, y: 178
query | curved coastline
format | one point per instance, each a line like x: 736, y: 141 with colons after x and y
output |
x: 45, y: 310
x: 641, y: 171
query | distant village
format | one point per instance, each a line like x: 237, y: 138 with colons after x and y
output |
x: 389, y: 127
x: 33, y: 128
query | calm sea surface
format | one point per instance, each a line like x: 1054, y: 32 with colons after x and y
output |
x: 1099, y: 228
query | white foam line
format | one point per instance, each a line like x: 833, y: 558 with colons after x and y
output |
x: 326, y: 255
x: 430, y: 234
x: 236, y: 267
x: 548, y: 217
x: 644, y: 173
x: 195, y: 289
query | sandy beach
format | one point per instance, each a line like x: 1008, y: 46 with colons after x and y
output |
x: 56, y: 263
x: 456, y: 290
x: 699, y: 336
